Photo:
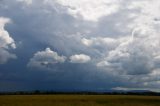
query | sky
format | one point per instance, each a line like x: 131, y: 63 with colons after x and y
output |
x: 70, y: 45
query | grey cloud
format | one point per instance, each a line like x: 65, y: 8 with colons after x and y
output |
x: 123, y: 43
x: 28, y: 2
x: 5, y: 56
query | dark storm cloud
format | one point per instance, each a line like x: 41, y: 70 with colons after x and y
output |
x: 115, y: 45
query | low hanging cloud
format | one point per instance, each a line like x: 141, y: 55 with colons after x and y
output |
x: 45, y: 59
x: 80, y: 58
x: 6, y: 42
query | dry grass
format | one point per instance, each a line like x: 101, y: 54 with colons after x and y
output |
x: 78, y: 100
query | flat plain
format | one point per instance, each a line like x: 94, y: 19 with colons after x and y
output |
x: 78, y: 100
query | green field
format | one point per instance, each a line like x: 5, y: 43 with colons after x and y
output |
x: 78, y: 100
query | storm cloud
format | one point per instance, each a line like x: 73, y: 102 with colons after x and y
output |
x: 104, y: 44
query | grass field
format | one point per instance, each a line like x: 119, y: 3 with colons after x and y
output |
x: 78, y: 100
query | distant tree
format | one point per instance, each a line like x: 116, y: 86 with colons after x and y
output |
x: 36, y: 92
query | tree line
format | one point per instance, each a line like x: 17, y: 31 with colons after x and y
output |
x: 38, y: 92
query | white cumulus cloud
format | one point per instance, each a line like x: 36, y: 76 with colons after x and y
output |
x: 6, y: 42
x: 45, y: 59
x: 80, y: 58
x: 90, y: 10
